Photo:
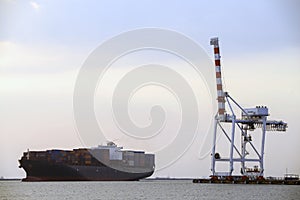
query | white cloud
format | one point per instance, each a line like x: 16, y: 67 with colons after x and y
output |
x: 34, y: 5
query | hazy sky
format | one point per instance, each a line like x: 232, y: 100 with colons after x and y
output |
x: 43, y: 44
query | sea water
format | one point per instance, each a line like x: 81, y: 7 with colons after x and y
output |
x: 145, y: 189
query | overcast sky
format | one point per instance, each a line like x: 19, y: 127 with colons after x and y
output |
x: 43, y: 44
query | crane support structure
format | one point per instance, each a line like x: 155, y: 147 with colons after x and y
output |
x: 250, y: 119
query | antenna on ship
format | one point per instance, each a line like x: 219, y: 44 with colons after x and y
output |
x: 250, y: 119
x: 28, y: 154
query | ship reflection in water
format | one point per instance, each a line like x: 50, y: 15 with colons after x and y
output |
x: 102, y: 163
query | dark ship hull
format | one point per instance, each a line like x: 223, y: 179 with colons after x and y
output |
x: 43, y: 171
x: 106, y: 163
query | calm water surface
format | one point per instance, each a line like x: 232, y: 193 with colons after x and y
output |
x: 17, y: 190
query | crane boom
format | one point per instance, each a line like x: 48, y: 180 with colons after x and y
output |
x: 220, y: 93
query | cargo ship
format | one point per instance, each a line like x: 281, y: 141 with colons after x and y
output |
x: 103, y: 163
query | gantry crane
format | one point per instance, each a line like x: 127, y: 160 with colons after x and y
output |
x: 250, y: 119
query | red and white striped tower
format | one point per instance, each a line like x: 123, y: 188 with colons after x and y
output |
x: 221, y: 96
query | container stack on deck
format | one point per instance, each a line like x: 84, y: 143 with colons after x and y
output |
x: 83, y: 156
